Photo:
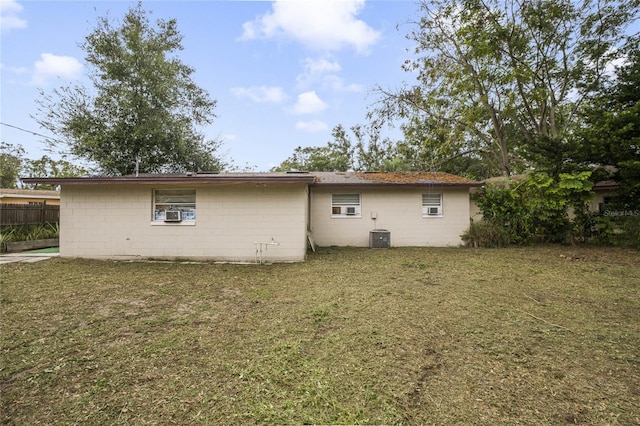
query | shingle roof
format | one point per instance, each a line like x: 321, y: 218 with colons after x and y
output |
x: 314, y: 178
x: 392, y: 178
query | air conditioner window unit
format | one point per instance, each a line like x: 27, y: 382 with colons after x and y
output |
x: 433, y: 211
x: 351, y: 211
x: 173, y: 216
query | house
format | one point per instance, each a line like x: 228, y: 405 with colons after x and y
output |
x: 28, y: 206
x: 417, y: 209
x: 604, y: 192
x: 29, y: 196
x: 251, y: 217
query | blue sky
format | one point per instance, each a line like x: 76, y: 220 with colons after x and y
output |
x: 284, y: 73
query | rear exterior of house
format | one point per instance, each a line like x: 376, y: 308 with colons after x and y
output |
x: 413, y: 209
x: 245, y: 219
x: 255, y: 217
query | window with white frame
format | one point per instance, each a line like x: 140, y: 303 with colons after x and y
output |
x: 431, y: 205
x: 345, y: 205
x: 174, y: 205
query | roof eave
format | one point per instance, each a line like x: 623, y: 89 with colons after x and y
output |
x: 169, y: 180
x: 402, y: 184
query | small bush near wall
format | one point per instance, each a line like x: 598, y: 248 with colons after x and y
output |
x: 485, y: 234
x: 621, y: 231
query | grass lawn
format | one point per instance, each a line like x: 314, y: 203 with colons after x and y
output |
x: 544, y: 335
x: 45, y: 250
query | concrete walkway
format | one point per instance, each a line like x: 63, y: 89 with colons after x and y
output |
x: 25, y: 257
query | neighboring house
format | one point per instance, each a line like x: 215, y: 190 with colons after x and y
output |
x: 28, y: 206
x: 29, y: 196
x: 603, y: 194
x: 256, y: 216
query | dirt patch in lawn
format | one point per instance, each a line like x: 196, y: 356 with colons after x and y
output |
x: 544, y: 335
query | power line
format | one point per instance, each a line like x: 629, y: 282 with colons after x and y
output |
x: 30, y: 131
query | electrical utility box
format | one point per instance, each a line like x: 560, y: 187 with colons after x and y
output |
x: 379, y: 239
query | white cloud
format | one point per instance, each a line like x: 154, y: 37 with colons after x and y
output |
x: 612, y: 66
x: 14, y: 70
x: 9, y: 19
x: 320, y: 66
x: 51, y: 65
x: 323, y: 71
x: 314, y: 69
x: 319, y: 24
x: 261, y: 94
x: 335, y: 83
x: 312, y: 126
x: 309, y: 103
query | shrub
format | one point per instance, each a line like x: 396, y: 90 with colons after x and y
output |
x: 486, y: 234
x: 534, y: 209
x: 623, y: 231
x: 29, y: 232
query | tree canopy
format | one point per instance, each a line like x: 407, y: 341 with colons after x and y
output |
x: 143, y: 110
x: 609, y: 140
x: 363, y: 148
x: 11, y: 157
x: 499, y: 78
x: 500, y: 88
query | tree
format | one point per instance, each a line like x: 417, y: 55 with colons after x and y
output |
x: 336, y: 156
x: 364, y: 149
x: 611, y: 135
x: 143, y: 110
x: 48, y: 167
x: 532, y: 209
x: 495, y: 78
x: 11, y: 158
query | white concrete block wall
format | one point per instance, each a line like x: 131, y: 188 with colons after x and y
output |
x: 398, y: 210
x: 114, y: 221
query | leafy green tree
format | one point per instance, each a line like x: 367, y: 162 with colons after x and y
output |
x: 11, y: 158
x: 364, y: 148
x: 46, y: 166
x: 375, y: 152
x: 609, y: 143
x: 336, y: 156
x: 535, y: 209
x: 611, y: 135
x: 497, y: 77
x: 143, y: 110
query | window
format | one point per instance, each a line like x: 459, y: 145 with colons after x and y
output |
x: 345, y: 205
x: 174, y: 205
x: 431, y: 205
x: 605, y: 204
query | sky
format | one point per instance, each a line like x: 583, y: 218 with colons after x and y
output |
x: 284, y: 73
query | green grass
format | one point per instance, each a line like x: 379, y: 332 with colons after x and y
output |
x: 45, y: 250
x: 545, y: 335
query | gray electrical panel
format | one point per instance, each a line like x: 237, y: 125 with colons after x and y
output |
x: 379, y: 238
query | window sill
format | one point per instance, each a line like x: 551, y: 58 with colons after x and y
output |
x: 344, y: 216
x: 433, y: 217
x: 163, y: 223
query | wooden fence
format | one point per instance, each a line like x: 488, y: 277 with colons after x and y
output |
x: 28, y: 214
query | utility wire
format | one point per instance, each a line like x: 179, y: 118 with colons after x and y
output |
x: 29, y: 131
